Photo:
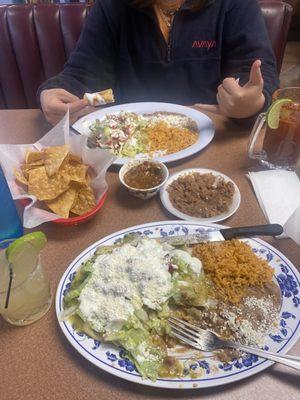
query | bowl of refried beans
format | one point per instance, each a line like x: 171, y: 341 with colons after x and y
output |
x: 200, y: 194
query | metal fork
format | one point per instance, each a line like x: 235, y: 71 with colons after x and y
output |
x: 206, y: 340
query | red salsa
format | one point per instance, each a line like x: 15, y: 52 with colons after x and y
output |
x: 144, y: 176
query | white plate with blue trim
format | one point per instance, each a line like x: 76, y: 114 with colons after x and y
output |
x: 205, y: 126
x: 210, y: 372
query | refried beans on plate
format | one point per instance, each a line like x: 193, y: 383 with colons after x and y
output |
x: 201, y: 195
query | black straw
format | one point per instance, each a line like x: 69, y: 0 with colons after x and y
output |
x: 9, y: 285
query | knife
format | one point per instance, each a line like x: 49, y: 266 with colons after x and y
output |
x: 223, y: 234
x: 74, y: 131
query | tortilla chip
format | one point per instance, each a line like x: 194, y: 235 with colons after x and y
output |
x: 76, y: 172
x: 20, y: 177
x: 62, y: 204
x: 59, y: 178
x: 33, y: 156
x: 45, y: 188
x: 88, y: 178
x: 25, y: 168
x: 54, y: 157
x: 84, y: 202
x: 74, y: 159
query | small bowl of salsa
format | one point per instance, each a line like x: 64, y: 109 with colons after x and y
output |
x: 143, y: 178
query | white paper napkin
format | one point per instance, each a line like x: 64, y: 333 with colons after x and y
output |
x: 292, y: 226
x: 12, y: 156
x: 278, y: 193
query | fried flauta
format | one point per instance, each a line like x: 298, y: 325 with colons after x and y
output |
x: 100, y: 98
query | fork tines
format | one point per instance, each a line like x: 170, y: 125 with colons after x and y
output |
x: 190, y: 334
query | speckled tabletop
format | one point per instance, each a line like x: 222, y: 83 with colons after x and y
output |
x: 37, y: 362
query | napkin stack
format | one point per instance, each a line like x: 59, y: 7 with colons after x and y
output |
x: 278, y: 193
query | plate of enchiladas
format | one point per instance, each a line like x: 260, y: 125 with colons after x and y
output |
x: 163, y: 131
x: 115, y: 300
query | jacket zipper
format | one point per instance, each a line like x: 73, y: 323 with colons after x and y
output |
x: 169, y: 51
x: 170, y: 40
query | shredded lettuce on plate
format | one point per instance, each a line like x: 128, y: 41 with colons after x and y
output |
x: 123, y: 134
x: 125, y: 293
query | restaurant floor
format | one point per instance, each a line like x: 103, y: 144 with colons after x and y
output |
x: 290, y: 72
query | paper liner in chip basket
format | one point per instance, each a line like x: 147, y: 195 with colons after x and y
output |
x: 12, y: 156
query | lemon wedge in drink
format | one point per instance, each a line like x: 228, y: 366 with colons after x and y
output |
x: 273, y: 113
x: 23, y: 253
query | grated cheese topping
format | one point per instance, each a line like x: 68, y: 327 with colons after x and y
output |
x: 170, y: 119
x: 129, y: 277
x: 251, y: 329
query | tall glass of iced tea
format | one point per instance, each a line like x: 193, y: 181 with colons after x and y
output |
x: 275, y: 138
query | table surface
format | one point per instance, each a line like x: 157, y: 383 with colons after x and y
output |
x: 37, y: 362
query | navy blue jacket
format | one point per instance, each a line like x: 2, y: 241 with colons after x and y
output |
x: 121, y: 47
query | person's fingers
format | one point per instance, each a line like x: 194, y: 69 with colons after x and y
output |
x: 224, y: 100
x: 213, y: 108
x: 225, y: 95
x: 230, y: 85
x: 223, y: 105
x: 56, y: 111
x: 77, y: 105
x: 65, y: 96
x: 219, y: 100
x: 57, y: 101
x: 53, y: 119
x: 255, y: 78
x: 55, y: 106
x: 58, y: 107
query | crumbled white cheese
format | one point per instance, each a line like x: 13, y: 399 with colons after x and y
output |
x: 103, y: 311
x: 253, y: 332
x: 170, y: 119
x: 129, y: 275
x: 194, y: 263
x: 144, y: 354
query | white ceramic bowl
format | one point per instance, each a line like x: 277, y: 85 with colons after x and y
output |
x: 143, y: 193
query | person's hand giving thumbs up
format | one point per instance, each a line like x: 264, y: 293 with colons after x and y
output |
x: 238, y: 101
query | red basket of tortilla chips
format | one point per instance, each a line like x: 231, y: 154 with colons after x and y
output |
x: 61, y: 183
x: 82, y: 218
